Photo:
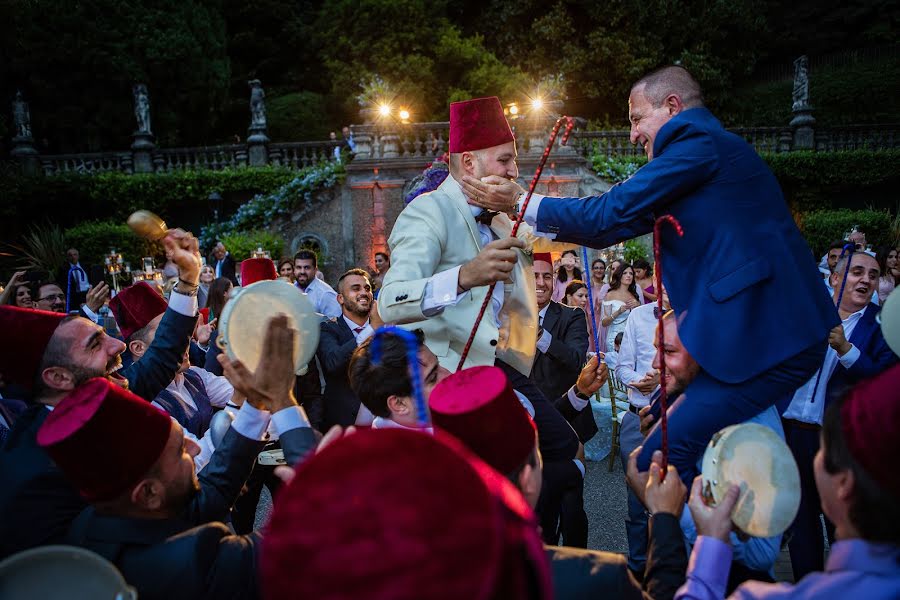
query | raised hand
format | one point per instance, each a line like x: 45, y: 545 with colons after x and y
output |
x: 97, y: 296
x: 204, y: 332
x: 712, y: 521
x: 183, y: 249
x: 592, y: 377
x: 494, y: 263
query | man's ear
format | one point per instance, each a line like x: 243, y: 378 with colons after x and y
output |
x: 673, y: 104
x: 340, y: 299
x: 529, y: 485
x: 58, y: 378
x: 399, y: 405
x: 844, y: 483
x: 149, y: 494
x: 467, y: 160
x: 137, y: 348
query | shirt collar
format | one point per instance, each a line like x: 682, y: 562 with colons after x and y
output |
x: 853, y: 317
x: 543, y: 312
x: 862, y: 555
x: 353, y: 325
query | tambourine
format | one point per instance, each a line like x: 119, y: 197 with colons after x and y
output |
x: 889, y: 317
x: 754, y: 458
x: 244, y: 319
x: 61, y: 572
x: 272, y: 457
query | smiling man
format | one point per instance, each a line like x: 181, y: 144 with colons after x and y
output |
x: 741, y: 252
x: 856, y: 351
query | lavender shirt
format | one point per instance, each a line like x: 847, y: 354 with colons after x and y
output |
x: 855, y: 569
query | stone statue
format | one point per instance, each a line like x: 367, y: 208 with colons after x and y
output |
x: 141, y: 108
x: 257, y: 105
x: 21, y: 116
x: 801, y: 83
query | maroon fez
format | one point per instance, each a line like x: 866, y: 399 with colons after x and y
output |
x: 479, y: 406
x: 257, y: 269
x: 26, y: 333
x: 478, y: 124
x: 870, y: 420
x: 392, y: 514
x: 543, y: 256
x: 104, y: 438
x: 135, y: 306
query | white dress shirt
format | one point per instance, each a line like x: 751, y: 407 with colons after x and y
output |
x: 323, y: 297
x: 218, y: 389
x: 637, y: 351
x: 365, y: 332
x: 808, y: 409
x: 79, y: 277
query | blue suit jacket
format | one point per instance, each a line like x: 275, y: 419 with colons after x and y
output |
x: 742, y: 276
x: 875, y: 356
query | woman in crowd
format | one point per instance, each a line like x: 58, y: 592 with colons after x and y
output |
x: 620, y: 299
x: 286, y: 270
x: 218, y: 296
x: 643, y: 275
x: 887, y: 261
x: 567, y: 272
x: 207, y: 274
x: 577, y: 297
x: 17, y: 292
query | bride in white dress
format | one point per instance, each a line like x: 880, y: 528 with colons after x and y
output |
x: 620, y: 299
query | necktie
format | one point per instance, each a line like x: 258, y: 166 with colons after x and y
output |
x: 486, y: 217
x: 358, y: 330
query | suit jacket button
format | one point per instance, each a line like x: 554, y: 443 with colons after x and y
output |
x: 493, y: 342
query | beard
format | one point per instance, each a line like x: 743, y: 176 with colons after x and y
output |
x: 355, y: 307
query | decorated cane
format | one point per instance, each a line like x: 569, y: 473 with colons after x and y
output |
x: 593, y: 314
x: 570, y: 123
x: 412, y: 357
x: 663, y: 397
x: 848, y: 251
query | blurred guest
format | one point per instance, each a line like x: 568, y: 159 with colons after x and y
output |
x: 286, y: 270
x: 643, y: 276
x: 322, y: 295
x: 223, y: 263
x: 218, y: 296
x: 826, y: 267
x: 576, y: 296
x: 621, y: 298
x: 567, y: 272
x: 73, y: 280
x: 17, y: 292
x: 382, y: 264
x: 50, y: 297
x: 207, y: 276
x: 887, y: 262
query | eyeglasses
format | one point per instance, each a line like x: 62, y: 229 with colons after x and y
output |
x: 53, y: 297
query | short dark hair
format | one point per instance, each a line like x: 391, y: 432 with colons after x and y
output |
x: 531, y: 461
x: 355, y: 271
x: 307, y: 255
x: 598, y: 260
x: 385, y: 255
x: 285, y: 261
x: 838, y: 245
x: 870, y: 503
x: 573, y: 287
x: 643, y: 263
x: 672, y: 79
x: 374, y: 384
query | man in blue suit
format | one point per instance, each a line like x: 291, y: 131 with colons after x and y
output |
x: 857, y: 351
x: 753, y: 310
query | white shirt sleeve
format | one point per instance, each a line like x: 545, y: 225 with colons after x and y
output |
x: 289, y: 418
x: 440, y: 292
x: 576, y: 402
x: 627, y: 360
x: 251, y: 422
x: 531, y: 214
x: 185, y: 305
x: 849, y: 359
x: 91, y: 314
x: 218, y: 388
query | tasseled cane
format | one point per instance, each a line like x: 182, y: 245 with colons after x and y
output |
x: 412, y: 357
x: 661, y: 340
x: 570, y: 123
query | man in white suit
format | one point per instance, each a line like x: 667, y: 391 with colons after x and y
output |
x: 446, y: 249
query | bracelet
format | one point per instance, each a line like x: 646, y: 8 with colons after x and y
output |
x: 578, y: 394
x: 189, y: 284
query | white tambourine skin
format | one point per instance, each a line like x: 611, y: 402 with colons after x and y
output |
x: 268, y: 298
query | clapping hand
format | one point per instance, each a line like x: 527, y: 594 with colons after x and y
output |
x: 204, y: 332
x: 647, y: 383
x: 712, y: 521
x: 183, y: 249
x: 97, y: 296
x: 271, y: 386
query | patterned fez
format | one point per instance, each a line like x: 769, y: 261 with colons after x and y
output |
x: 104, y: 438
x: 479, y: 407
x: 478, y: 124
x: 135, y: 306
x: 257, y: 269
x: 870, y: 419
x: 393, y: 514
x: 26, y: 332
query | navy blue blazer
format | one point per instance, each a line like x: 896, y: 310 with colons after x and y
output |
x: 336, y: 346
x: 875, y: 355
x: 742, y: 276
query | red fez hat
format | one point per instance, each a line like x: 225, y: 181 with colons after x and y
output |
x: 393, y: 514
x: 257, y: 269
x: 135, y: 306
x: 478, y: 124
x: 479, y: 407
x: 870, y: 419
x: 26, y: 334
x: 544, y: 256
x: 104, y: 438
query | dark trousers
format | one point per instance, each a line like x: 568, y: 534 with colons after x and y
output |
x: 709, y: 404
x: 243, y: 515
x: 807, y: 542
x: 637, y: 522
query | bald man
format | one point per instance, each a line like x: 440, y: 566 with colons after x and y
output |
x: 753, y: 310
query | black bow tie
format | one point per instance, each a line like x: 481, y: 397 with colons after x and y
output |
x: 486, y: 217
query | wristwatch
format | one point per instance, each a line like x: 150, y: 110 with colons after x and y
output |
x: 578, y: 394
